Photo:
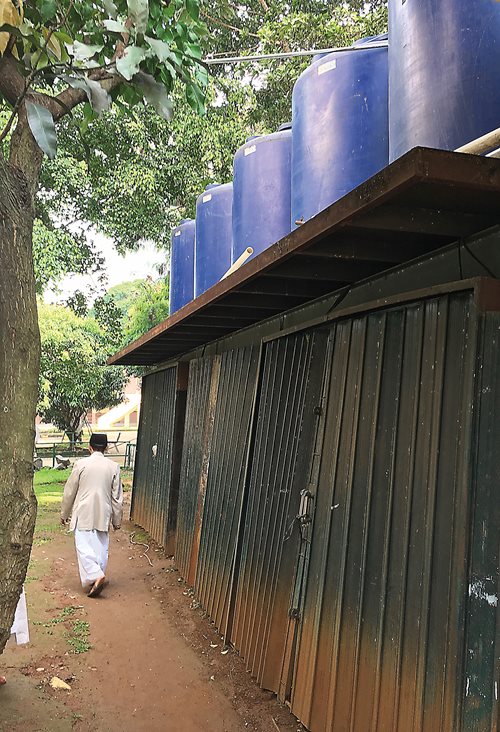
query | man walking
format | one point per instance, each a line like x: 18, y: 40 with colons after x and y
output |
x: 93, y: 496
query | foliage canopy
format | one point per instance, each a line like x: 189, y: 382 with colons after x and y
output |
x: 73, y: 375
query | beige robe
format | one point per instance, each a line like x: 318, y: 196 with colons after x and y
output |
x: 93, y: 494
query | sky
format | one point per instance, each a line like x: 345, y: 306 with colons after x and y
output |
x: 132, y: 266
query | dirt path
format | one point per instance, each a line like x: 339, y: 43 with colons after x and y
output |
x: 154, y: 662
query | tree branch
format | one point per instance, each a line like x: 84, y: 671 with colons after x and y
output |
x: 226, y: 25
x: 11, y: 81
x: 26, y: 83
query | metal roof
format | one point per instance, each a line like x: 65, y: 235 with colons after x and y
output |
x: 420, y: 203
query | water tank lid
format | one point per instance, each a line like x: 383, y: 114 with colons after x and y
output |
x: 285, y: 126
x: 381, y: 38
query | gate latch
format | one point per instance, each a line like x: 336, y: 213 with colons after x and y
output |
x: 304, y: 515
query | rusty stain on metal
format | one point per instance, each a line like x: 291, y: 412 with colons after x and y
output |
x: 224, y: 495
x: 153, y: 491
x: 200, y: 371
x: 203, y: 477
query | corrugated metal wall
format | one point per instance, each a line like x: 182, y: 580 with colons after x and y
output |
x: 225, y: 481
x: 152, y: 476
x: 382, y: 614
x: 280, y: 468
x: 197, y: 435
x: 381, y: 645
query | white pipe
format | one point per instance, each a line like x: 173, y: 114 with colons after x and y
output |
x: 291, y: 54
x: 494, y: 153
x: 236, y: 265
x: 482, y: 144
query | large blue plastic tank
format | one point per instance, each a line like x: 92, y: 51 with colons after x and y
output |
x: 214, y: 235
x: 340, y: 127
x: 262, y: 201
x: 182, y: 265
x: 444, y: 72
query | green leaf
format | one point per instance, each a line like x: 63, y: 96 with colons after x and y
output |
x: 97, y: 96
x: 155, y: 94
x: 138, y: 10
x: 201, y: 75
x: 82, y: 51
x: 159, y: 48
x: 114, y: 26
x: 194, y: 50
x: 170, y: 10
x: 195, y: 98
x: 42, y: 128
x: 129, y: 63
x: 47, y: 9
x: 62, y: 36
x: 193, y: 8
x: 39, y: 60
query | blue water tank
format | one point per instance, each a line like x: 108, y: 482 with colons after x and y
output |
x: 182, y: 265
x: 340, y: 127
x: 214, y: 235
x: 444, y: 72
x: 261, y: 202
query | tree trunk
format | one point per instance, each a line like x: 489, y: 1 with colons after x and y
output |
x: 19, y: 367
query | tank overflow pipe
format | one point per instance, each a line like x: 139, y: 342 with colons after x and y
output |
x: 291, y: 54
x: 482, y: 144
x: 237, y: 264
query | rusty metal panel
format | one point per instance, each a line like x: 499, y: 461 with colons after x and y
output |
x: 152, y: 477
x: 225, y: 481
x: 382, y: 623
x: 141, y: 459
x: 193, y: 453
x: 281, y: 460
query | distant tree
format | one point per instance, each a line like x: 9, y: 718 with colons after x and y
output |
x: 125, y: 295
x: 150, y: 308
x: 74, y: 377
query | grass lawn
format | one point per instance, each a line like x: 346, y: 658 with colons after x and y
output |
x: 49, y: 486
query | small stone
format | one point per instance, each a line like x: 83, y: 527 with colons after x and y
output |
x: 57, y: 683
